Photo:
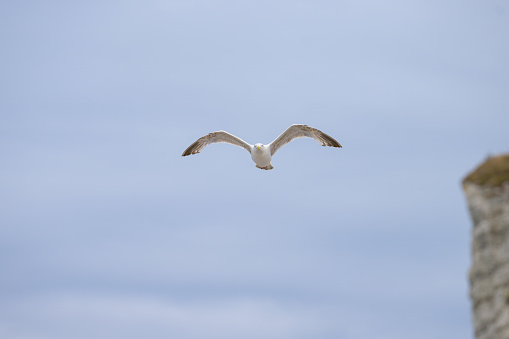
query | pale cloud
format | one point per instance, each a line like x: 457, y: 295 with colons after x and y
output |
x: 106, y: 316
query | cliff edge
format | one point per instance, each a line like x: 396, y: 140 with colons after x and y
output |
x: 487, y: 194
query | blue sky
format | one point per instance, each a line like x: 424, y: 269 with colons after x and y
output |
x: 107, y: 232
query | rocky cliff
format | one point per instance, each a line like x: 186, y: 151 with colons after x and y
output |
x: 487, y: 193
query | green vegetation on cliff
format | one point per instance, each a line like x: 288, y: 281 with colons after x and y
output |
x: 493, y: 172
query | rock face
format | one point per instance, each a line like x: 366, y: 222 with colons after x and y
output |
x: 487, y: 193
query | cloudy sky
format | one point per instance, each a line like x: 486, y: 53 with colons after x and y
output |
x: 107, y: 232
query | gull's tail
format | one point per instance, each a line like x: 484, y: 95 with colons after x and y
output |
x: 268, y: 167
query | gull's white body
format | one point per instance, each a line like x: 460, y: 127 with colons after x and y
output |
x: 262, y: 154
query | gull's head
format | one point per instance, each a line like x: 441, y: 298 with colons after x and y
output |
x: 258, y: 146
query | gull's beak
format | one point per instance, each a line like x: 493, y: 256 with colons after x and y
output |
x: 258, y: 146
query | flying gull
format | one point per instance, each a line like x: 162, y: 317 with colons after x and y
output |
x: 262, y: 154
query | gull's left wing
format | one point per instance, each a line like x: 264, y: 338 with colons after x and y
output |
x: 302, y: 131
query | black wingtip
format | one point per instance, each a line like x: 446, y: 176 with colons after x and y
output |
x: 330, y: 141
x: 191, y: 149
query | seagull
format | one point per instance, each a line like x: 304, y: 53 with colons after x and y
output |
x: 260, y: 153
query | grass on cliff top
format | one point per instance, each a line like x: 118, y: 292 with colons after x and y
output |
x: 493, y: 172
